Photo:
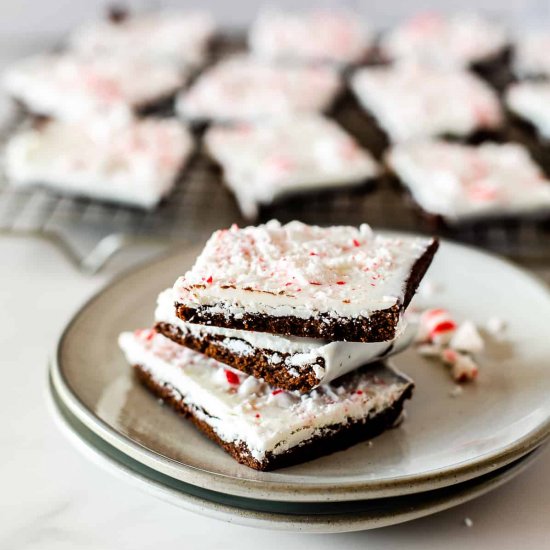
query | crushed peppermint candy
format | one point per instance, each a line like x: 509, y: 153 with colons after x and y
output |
x: 439, y: 336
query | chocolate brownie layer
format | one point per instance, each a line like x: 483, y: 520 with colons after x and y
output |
x: 335, y: 438
x: 380, y: 326
x: 257, y: 365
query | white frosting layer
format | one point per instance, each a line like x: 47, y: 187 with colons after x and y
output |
x: 531, y: 101
x: 410, y: 101
x: 179, y: 38
x: 338, y: 357
x: 67, y: 86
x: 135, y: 162
x: 333, y: 36
x: 241, y: 88
x: 461, y: 181
x: 263, y: 162
x: 531, y: 55
x: 242, y: 409
x: 300, y: 270
x: 458, y: 40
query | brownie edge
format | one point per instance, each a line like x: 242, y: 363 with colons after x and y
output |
x: 338, y: 437
x: 257, y: 365
x: 380, y: 326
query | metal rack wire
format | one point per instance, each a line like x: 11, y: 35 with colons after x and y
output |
x: 90, y: 232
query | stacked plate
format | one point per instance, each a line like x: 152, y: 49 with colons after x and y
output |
x: 451, y: 448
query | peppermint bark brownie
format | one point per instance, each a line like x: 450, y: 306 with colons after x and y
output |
x: 336, y: 283
x: 262, y: 427
x: 136, y: 162
x: 462, y: 183
x: 336, y: 36
x: 410, y: 101
x: 71, y: 87
x: 461, y: 40
x: 177, y: 38
x: 290, y: 363
x: 268, y: 161
x: 242, y: 88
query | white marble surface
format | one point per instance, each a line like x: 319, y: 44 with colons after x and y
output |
x: 52, y: 498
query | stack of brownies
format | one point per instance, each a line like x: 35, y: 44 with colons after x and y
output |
x: 273, y: 343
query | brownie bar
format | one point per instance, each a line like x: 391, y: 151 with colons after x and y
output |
x: 338, y: 437
x: 338, y: 283
x: 263, y: 427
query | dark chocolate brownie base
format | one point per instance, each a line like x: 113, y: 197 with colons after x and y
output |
x: 257, y: 365
x: 496, y: 70
x: 335, y: 438
x: 380, y: 326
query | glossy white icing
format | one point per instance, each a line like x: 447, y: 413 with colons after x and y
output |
x: 336, y: 36
x: 67, y: 86
x: 411, y: 101
x: 457, y: 40
x: 240, y: 408
x: 462, y: 181
x: 531, y: 54
x: 180, y: 38
x: 300, y: 270
x: 241, y: 88
x: 265, y: 161
x: 134, y: 162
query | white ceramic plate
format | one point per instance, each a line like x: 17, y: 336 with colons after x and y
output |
x: 444, y: 440
x: 305, y: 517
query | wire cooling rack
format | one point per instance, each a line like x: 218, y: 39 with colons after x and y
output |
x: 91, y: 232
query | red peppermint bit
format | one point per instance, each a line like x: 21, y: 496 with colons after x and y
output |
x: 209, y: 280
x: 340, y: 282
x: 276, y: 392
x: 288, y: 284
x: 150, y: 335
x: 359, y: 392
x: 257, y: 415
x: 232, y: 378
x: 444, y: 326
x: 314, y: 283
x: 313, y: 254
x: 356, y: 242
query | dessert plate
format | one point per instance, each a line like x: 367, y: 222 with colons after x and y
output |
x: 445, y: 439
x: 332, y: 517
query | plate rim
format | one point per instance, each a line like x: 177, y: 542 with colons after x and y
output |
x: 273, y: 490
x: 305, y: 523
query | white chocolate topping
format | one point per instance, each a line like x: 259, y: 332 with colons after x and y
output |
x: 67, y: 86
x: 180, y: 38
x: 531, y: 55
x: 461, y: 181
x: 410, y: 101
x: 300, y: 270
x: 265, y: 161
x: 458, y: 40
x: 338, y: 358
x: 241, y: 88
x: 242, y: 409
x: 135, y: 162
x: 333, y: 36
x: 531, y: 102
